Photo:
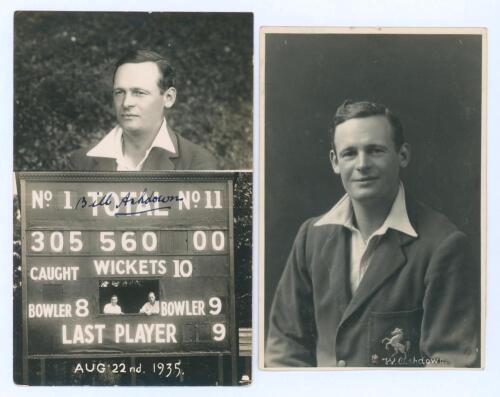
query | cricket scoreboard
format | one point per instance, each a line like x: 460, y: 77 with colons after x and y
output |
x: 130, y: 264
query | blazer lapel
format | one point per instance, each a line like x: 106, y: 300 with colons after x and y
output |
x: 161, y: 159
x: 387, y: 259
x: 158, y: 159
x: 337, y: 253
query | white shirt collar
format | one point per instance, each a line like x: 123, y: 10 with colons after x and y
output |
x: 397, y: 219
x: 111, y: 145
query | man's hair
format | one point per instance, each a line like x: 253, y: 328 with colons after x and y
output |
x: 114, y: 296
x: 353, y: 110
x: 166, y: 70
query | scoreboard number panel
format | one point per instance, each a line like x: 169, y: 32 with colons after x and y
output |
x: 89, y: 237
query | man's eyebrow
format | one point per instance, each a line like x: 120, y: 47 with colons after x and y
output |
x: 348, y: 149
x: 376, y: 146
x: 366, y: 147
x: 139, y: 89
x: 131, y: 89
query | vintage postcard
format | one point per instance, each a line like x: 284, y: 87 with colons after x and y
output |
x: 133, y: 199
x: 373, y: 190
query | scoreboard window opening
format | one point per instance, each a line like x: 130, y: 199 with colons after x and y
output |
x: 129, y: 297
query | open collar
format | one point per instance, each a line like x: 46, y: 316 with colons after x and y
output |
x: 397, y: 219
x: 111, y: 145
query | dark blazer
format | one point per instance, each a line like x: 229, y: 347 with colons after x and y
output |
x: 417, y: 304
x: 188, y: 156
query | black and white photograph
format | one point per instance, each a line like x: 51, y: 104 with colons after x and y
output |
x: 210, y: 198
x: 174, y: 88
x: 132, y: 208
x: 373, y: 171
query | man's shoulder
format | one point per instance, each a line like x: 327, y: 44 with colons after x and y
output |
x: 79, y: 161
x: 430, y: 224
x: 316, y: 233
x: 194, y: 157
x: 80, y: 153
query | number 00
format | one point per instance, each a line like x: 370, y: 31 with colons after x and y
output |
x: 218, y: 240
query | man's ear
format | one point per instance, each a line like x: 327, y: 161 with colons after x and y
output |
x: 334, y: 161
x: 169, y: 97
x: 404, y: 155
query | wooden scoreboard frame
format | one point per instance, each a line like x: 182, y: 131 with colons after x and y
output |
x: 24, y: 178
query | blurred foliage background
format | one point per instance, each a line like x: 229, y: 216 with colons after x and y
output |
x: 63, y: 64
x: 242, y: 212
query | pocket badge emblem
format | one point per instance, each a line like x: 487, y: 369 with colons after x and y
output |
x: 397, y: 342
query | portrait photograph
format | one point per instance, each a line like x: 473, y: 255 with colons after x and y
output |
x: 132, y: 205
x: 372, y: 244
x: 72, y: 69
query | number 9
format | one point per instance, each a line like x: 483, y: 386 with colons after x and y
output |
x: 215, y: 305
x: 219, y: 331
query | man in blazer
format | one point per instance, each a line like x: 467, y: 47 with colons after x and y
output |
x: 143, y: 88
x: 380, y: 279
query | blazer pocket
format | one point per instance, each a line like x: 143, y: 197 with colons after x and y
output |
x: 394, y: 339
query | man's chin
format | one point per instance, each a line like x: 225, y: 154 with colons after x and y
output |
x: 371, y: 196
x: 364, y: 195
x: 131, y: 127
x: 128, y: 122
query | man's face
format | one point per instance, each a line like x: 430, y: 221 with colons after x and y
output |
x: 114, y: 300
x: 151, y: 298
x: 138, y: 100
x: 367, y: 160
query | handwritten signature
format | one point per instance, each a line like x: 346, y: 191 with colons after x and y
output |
x: 143, y: 199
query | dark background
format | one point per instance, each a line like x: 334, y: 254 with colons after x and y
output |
x: 132, y: 294
x: 63, y: 64
x: 432, y: 82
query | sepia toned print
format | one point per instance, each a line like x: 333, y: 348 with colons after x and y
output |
x: 133, y: 198
x: 375, y: 265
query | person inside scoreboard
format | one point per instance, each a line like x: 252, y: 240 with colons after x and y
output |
x: 152, y: 306
x: 143, y: 90
x: 112, y: 307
